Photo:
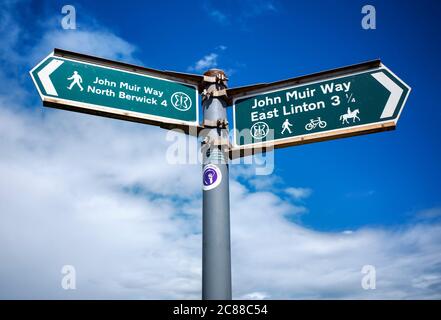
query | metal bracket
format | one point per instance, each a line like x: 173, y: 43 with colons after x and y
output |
x: 220, y: 142
x: 219, y: 78
x: 222, y: 123
x: 210, y: 79
x: 207, y: 94
x: 222, y: 139
x: 210, y: 123
x: 219, y: 123
x: 206, y: 140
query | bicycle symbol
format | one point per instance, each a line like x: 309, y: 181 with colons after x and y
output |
x: 312, y: 124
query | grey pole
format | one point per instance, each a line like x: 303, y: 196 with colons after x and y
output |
x: 216, y: 253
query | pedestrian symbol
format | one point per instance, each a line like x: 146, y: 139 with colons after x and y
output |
x: 286, y: 125
x: 76, y: 80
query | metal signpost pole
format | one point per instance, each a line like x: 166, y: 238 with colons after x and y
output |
x: 216, y: 253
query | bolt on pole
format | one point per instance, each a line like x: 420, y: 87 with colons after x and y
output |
x: 216, y: 252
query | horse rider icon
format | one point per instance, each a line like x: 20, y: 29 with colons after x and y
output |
x: 77, y: 80
x: 286, y: 125
x: 350, y: 115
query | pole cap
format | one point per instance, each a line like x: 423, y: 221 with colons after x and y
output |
x: 214, y: 72
x: 215, y: 76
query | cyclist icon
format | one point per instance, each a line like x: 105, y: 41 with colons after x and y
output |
x: 77, y: 80
x: 312, y: 124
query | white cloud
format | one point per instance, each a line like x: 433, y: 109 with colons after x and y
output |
x: 63, y: 201
x: 99, y: 43
x: 93, y: 193
x: 430, y: 213
x: 298, y: 193
x: 255, y: 296
x: 264, y: 182
x: 286, y: 260
x: 219, y: 16
x: 211, y: 61
x: 207, y: 62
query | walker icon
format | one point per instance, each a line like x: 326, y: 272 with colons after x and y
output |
x: 212, y: 177
x: 77, y: 80
x: 286, y: 126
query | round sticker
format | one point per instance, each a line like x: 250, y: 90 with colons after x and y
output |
x: 212, y: 177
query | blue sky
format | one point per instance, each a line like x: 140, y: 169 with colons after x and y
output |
x: 377, y: 188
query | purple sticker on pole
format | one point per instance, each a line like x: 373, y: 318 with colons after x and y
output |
x: 211, y: 177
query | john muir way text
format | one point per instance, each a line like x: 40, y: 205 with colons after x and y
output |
x: 293, y: 98
x: 143, y: 94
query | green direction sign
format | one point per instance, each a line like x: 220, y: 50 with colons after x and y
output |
x: 356, y: 103
x: 107, y: 90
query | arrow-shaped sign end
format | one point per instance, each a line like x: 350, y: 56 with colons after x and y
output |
x: 44, y: 75
x: 395, y: 94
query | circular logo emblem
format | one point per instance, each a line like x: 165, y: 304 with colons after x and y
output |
x: 181, y: 101
x: 212, y: 177
x: 259, y: 130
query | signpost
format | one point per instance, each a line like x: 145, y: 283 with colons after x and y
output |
x: 326, y: 108
x: 216, y: 251
x: 108, y: 89
x: 353, y: 100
